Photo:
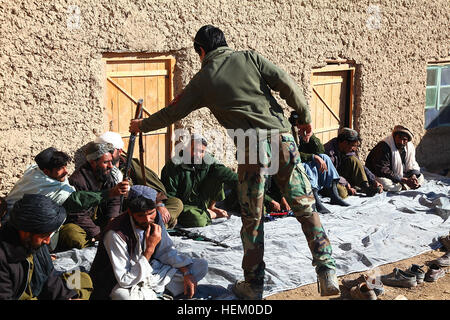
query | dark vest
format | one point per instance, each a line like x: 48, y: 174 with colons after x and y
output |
x: 101, y: 272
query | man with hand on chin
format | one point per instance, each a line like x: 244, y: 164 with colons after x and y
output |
x: 136, y: 259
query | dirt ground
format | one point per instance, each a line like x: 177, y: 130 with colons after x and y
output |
x: 439, y: 290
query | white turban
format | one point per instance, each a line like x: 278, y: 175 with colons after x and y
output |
x: 111, y: 137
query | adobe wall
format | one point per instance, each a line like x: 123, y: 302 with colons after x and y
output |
x: 52, y: 78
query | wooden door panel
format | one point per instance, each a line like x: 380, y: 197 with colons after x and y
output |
x: 129, y: 80
x: 329, y: 103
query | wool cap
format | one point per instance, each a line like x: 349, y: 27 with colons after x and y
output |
x: 402, y: 129
x: 347, y: 134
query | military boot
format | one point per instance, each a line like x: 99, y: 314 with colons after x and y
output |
x: 246, y: 290
x: 327, y: 282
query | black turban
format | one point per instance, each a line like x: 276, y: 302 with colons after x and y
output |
x: 37, y: 214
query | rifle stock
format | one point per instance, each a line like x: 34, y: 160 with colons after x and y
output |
x: 131, y: 143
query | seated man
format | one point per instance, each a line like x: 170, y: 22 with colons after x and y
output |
x: 342, y: 151
x: 321, y: 173
x: 26, y: 268
x: 393, y: 161
x: 320, y: 170
x: 198, y: 179
x: 48, y: 176
x: 84, y: 226
x: 171, y: 206
x: 136, y: 259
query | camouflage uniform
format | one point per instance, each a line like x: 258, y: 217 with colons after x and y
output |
x: 294, y: 184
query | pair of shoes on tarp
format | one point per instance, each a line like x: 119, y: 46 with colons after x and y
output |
x: 413, y: 276
x: 364, y: 287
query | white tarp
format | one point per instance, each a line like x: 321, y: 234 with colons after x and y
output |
x: 371, y: 232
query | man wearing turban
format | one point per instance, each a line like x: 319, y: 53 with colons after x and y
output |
x: 26, y: 268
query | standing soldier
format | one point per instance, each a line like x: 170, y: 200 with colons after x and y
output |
x: 236, y: 86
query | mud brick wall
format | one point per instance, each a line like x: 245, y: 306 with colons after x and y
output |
x: 52, y: 79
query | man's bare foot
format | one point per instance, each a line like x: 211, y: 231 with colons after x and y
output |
x: 217, y: 213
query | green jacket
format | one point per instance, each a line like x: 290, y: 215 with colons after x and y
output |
x: 307, y: 150
x: 236, y: 86
x: 195, y: 183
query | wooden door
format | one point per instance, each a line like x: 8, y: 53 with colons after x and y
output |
x: 128, y: 79
x: 331, y: 103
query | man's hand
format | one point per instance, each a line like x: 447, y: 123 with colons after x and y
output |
x: 134, y: 125
x: 411, y: 182
x: 379, y: 186
x: 276, y: 207
x: 351, y: 191
x: 190, y: 286
x: 120, y: 189
x: 165, y: 214
x: 305, y: 131
x: 320, y: 163
x: 285, y: 205
x: 152, y: 238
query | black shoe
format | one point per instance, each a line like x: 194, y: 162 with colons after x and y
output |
x: 335, y: 198
x: 370, y: 191
x: 319, y: 205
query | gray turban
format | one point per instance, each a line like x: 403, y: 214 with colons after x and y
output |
x: 95, y: 150
x: 37, y: 214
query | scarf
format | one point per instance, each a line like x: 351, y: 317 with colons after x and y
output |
x: 396, y: 161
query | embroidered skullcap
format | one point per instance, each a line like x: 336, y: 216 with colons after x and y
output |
x: 111, y: 137
x: 144, y: 191
x: 347, y: 134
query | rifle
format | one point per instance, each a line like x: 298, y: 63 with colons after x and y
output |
x: 130, y: 150
x: 271, y: 216
x: 194, y: 236
x: 293, y: 121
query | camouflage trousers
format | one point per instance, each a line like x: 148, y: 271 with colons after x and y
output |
x: 294, y: 185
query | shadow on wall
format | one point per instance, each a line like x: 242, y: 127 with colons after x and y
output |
x: 433, y: 151
x: 79, y: 157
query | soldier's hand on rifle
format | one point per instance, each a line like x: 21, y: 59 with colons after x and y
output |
x: 305, y: 131
x: 134, y: 125
x: 120, y: 189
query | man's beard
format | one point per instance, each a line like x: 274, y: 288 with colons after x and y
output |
x: 29, y: 246
x: 102, y: 174
x: 116, y: 160
x: 142, y: 226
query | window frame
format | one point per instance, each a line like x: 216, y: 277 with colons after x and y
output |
x: 437, y: 87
